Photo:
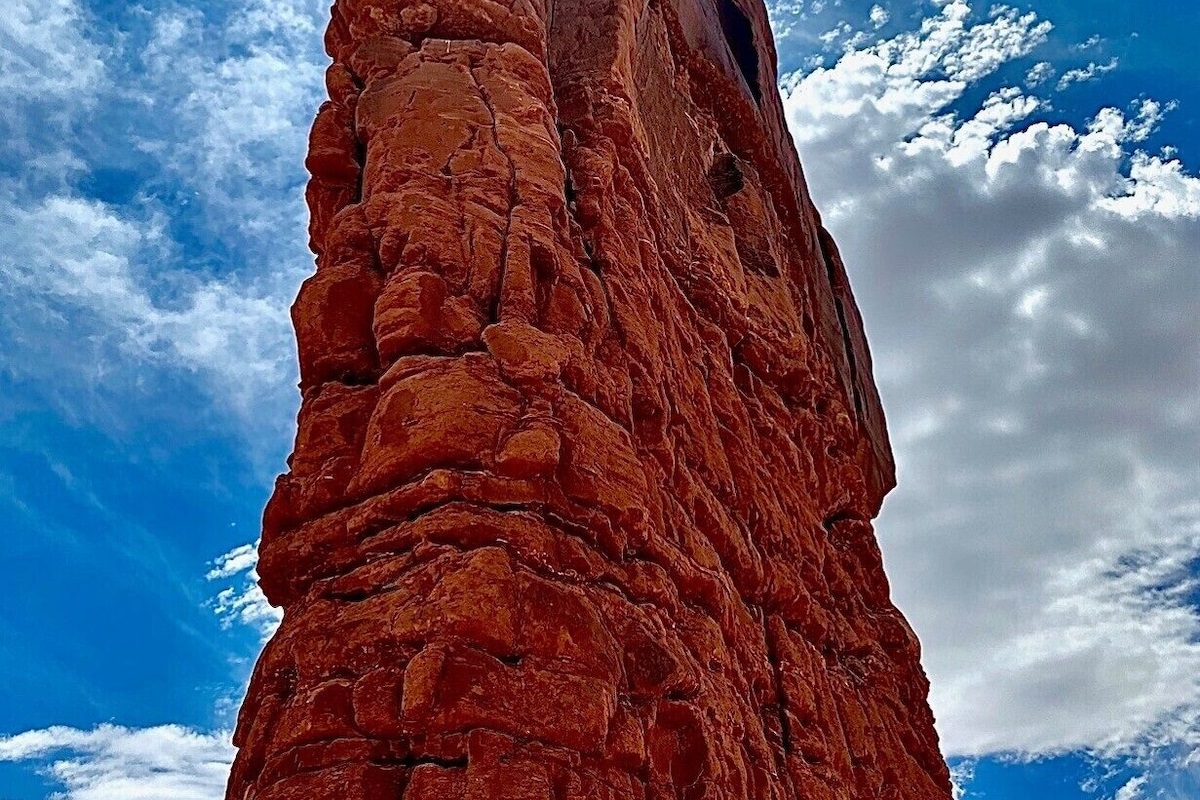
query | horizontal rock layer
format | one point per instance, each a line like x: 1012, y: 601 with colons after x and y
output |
x: 589, y: 447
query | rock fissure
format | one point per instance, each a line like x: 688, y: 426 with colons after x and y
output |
x: 843, y: 325
x: 513, y: 196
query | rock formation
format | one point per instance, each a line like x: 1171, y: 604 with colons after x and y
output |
x: 589, y: 448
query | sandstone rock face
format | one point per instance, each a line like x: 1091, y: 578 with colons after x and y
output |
x: 580, y: 501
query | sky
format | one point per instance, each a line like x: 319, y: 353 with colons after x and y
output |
x: 1014, y: 188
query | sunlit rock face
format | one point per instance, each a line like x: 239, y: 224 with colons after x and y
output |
x: 581, y: 495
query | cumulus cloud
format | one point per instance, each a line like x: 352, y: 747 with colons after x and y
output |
x: 114, y: 763
x: 1030, y: 291
x: 1131, y: 790
x: 1039, y: 73
x: 165, y: 762
x: 961, y: 775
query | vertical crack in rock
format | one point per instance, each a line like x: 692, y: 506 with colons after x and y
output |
x: 836, y: 285
x: 513, y: 197
x: 740, y: 35
x: 580, y: 500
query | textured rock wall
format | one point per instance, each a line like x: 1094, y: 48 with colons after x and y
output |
x: 580, y: 500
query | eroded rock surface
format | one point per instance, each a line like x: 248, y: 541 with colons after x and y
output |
x: 581, y: 496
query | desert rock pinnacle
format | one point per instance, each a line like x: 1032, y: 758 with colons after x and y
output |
x: 581, y: 498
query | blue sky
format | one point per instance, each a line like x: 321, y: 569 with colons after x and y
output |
x: 1015, y: 190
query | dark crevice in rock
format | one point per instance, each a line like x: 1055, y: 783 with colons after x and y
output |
x: 725, y: 176
x: 739, y: 34
x: 835, y: 290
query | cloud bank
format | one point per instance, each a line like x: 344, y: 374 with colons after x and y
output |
x: 1031, y: 295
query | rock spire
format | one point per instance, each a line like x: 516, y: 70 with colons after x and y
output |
x: 589, y: 447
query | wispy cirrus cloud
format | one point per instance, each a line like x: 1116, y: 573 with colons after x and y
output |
x: 1091, y: 72
x: 240, y: 89
x: 244, y: 602
x: 80, y: 273
x: 51, y: 75
x: 190, y: 272
x: 45, y: 56
x: 151, y: 238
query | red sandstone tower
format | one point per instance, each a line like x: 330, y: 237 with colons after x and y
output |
x: 581, y: 496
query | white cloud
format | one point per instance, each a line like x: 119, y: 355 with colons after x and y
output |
x: 1089, y: 73
x: 1039, y: 73
x: 51, y: 74
x: 243, y: 603
x: 114, y: 763
x: 166, y: 762
x: 111, y: 294
x: 242, y: 99
x: 961, y: 775
x: 66, y: 257
x: 160, y: 763
x: 879, y: 16
x: 1030, y: 292
x: 1026, y: 296
x: 43, y: 53
x: 1131, y: 790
